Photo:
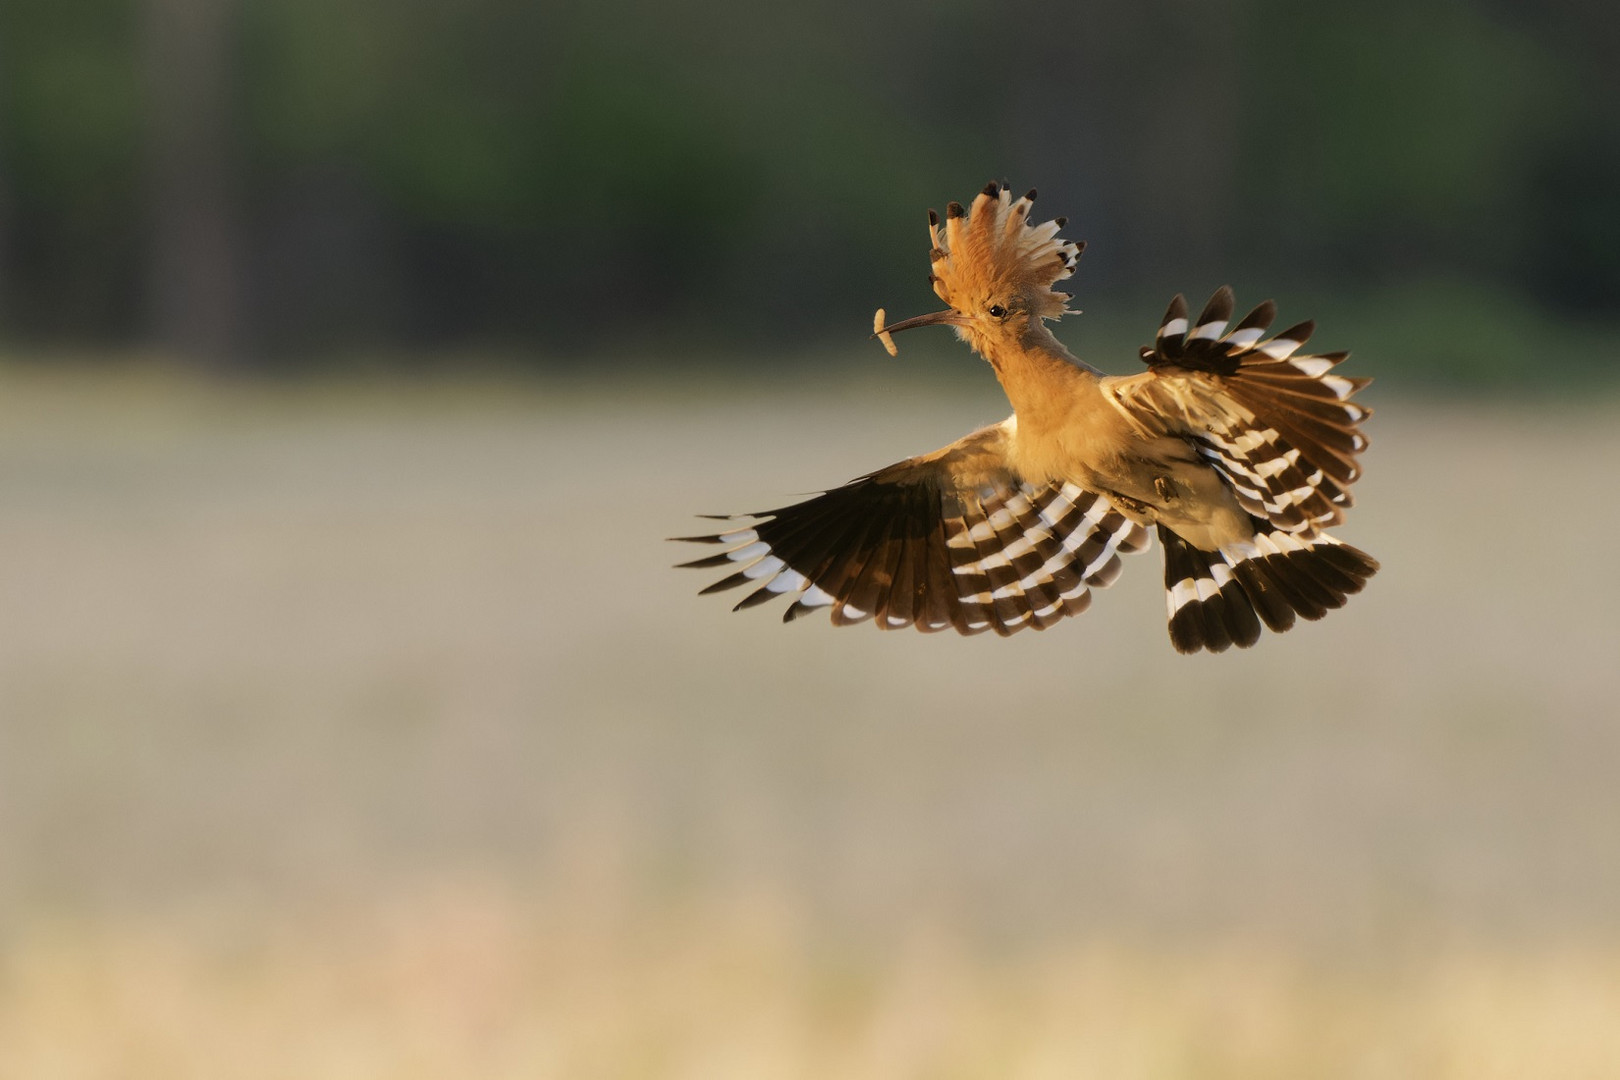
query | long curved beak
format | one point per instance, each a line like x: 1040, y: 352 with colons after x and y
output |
x: 933, y: 318
x: 948, y: 317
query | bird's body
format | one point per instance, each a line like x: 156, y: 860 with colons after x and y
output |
x: 1235, y: 450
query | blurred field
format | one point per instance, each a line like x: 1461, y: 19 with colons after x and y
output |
x: 354, y: 729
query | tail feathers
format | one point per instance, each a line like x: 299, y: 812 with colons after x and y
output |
x: 1218, y: 599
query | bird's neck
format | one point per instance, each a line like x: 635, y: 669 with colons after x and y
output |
x: 1040, y: 377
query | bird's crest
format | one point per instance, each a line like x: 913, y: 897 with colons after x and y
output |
x: 993, y: 248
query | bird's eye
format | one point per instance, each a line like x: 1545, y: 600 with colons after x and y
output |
x: 997, y: 311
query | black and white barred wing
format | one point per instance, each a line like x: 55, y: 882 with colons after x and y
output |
x: 954, y: 539
x: 1281, y: 428
x: 1278, y: 423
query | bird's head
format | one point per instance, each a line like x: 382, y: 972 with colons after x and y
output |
x: 995, y: 268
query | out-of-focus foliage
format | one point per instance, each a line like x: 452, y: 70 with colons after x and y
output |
x: 729, y: 176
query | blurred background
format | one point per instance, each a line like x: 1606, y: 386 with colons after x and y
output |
x: 356, y: 356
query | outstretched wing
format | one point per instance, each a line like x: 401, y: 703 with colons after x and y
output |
x: 1277, y: 424
x: 951, y: 539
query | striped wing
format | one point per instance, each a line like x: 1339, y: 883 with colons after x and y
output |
x: 1279, y: 425
x: 954, y: 539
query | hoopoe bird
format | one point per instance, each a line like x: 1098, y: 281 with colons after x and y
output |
x: 1238, y: 450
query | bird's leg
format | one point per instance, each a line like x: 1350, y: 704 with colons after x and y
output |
x: 1143, y: 511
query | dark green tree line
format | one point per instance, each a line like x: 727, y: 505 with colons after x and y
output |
x: 266, y: 180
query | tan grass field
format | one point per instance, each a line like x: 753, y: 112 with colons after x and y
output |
x: 363, y: 731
